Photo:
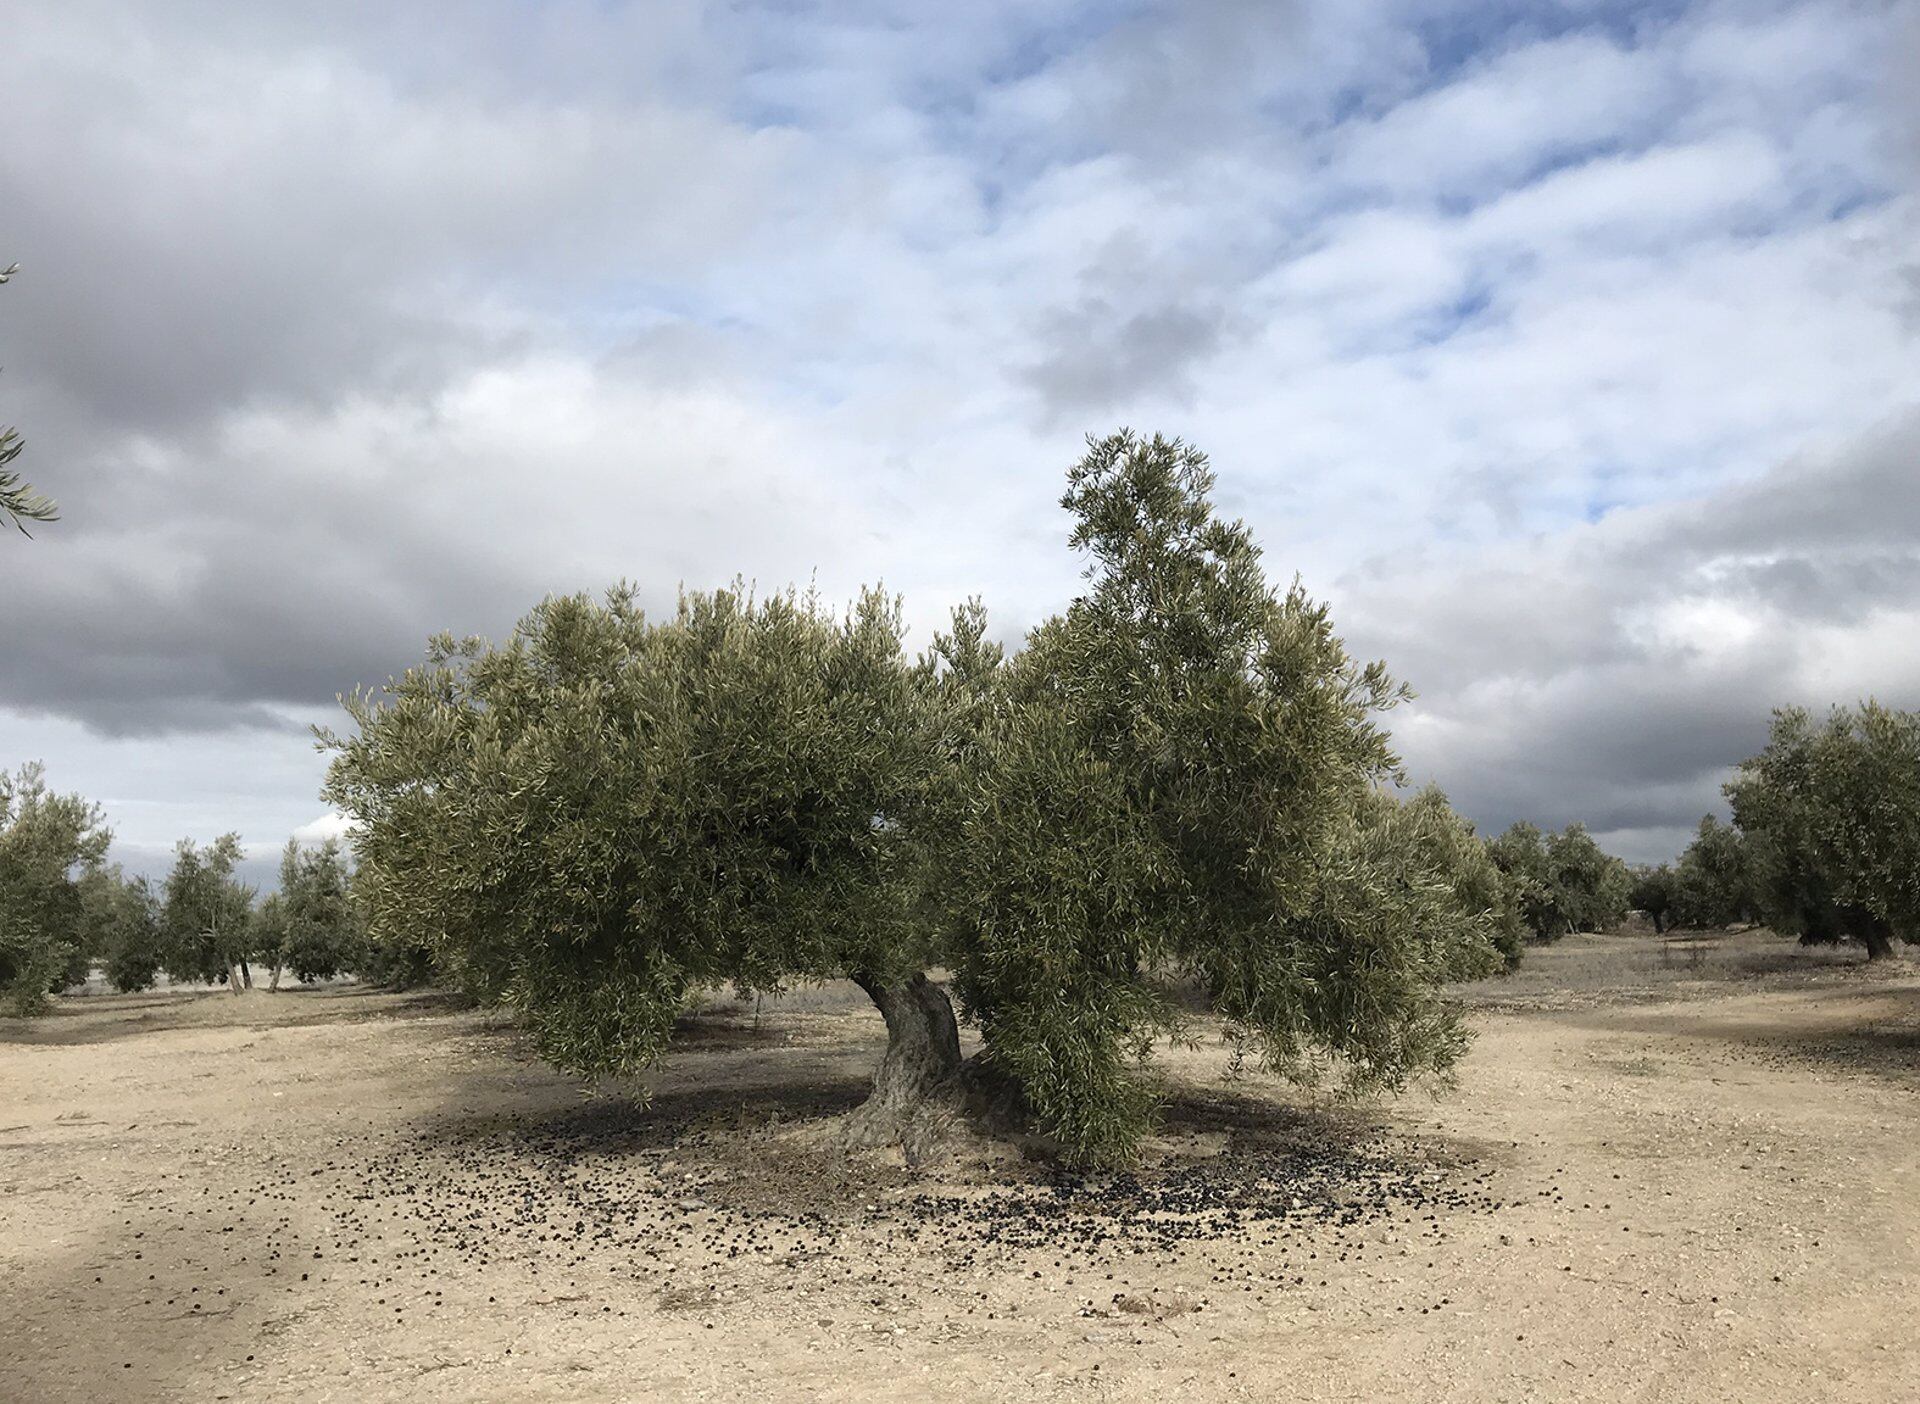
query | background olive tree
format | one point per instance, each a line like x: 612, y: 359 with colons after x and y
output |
x: 1713, y: 883
x: 48, y: 843
x: 1831, y: 816
x: 1591, y: 883
x: 123, y: 927
x: 311, y: 924
x: 1566, y: 882
x: 1445, y: 844
x: 1652, y: 890
x: 207, y: 915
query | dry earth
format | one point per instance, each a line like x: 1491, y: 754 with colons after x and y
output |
x: 1668, y: 1173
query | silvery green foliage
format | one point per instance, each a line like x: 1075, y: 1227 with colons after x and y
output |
x: 1440, y: 846
x: 1591, y: 884
x: 1174, y: 781
x: 311, y: 925
x: 1180, y: 787
x: 1654, y: 890
x: 1521, y: 853
x: 1831, y: 815
x: 606, y: 813
x: 48, y: 842
x: 123, y: 927
x: 207, y: 913
x: 1713, y: 883
x: 1565, y: 881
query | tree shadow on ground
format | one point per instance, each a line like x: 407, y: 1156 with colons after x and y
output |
x: 1789, y: 959
x: 1249, y: 1121
x: 1611, y: 970
x: 1858, y: 1027
x: 621, y: 1124
x: 1221, y: 1161
x: 96, y: 1019
x: 133, y: 1310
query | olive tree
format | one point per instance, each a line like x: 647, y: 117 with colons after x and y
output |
x: 1180, y: 788
x: 207, y: 915
x: 1442, y: 843
x: 1653, y: 891
x: 311, y: 925
x: 124, y: 928
x: 1591, y: 883
x: 1566, y: 881
x: 1521, y: 853
x: 608, y: 813
x: 393, y: 959
x: 1831, y: 815
x: 1713, y: 882
x: 1172, y: 784
x: 48, y: 842
x: 1794, y: 884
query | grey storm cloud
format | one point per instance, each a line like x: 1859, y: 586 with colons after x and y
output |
x: 1554, y: 691
x: 259, y: 215
x: 1098, y: 357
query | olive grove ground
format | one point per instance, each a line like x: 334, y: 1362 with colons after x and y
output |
x: 1672, y: 1172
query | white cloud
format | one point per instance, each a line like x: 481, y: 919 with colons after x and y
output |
x: 331, y: 825
x: 1507, y: 118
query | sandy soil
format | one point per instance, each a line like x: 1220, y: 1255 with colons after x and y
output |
x: 1666, y: 1174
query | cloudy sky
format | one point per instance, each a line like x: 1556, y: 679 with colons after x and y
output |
x: 1571, y: 349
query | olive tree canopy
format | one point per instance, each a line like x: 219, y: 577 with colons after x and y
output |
x: 1565, y: 881
x: 207, y: 928
x: 310, y: 925
x: 1713, y: 883
x: 607, y: 813
x: 1182, y: 787
x: 48, y: 844
x: 124, y: 927
x: 1174, y: 782
x: 1831, y: 816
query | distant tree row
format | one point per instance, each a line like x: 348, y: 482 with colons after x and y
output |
x: 1825, y: 839
x: 65, y: 911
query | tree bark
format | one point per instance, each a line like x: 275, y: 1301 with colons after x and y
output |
x: 233, y: 977
x: 920, y: 1068
x: 246, y: 973
x: 275, y: 985
x: 1879, y: 945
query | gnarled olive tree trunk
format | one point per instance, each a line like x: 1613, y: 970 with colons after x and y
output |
x: 921, y: 1066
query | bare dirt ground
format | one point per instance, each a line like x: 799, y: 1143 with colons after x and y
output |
x: 1682, y: 1173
